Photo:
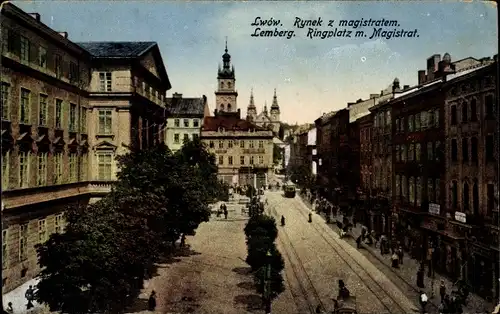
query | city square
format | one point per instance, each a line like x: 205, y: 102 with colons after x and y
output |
x: 209, y: 158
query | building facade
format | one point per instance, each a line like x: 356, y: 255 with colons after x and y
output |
x: 127, y: 100
x: 380, y: 196
x: 418, y: 167
x: 66, y: 111
x: 44, y: 82
x: 185, y: 120
x: 471, y: 176
x: 244, y: 152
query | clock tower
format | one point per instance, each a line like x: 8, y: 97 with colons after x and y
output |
x: 226, y: 94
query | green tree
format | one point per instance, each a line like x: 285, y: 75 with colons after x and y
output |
x: 263, y: 222
x: 277, y: 265
x: 93, y: 266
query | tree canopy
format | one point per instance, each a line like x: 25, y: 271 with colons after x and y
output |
x: 98, y: 265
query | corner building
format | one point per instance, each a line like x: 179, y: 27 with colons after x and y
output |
x: 67, y: 110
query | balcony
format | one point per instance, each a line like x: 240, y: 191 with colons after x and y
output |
x: 17, y: 198
x: 254, y: 151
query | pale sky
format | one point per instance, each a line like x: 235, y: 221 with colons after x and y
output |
x: 311, y: 76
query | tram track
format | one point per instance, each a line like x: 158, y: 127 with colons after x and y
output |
x: 385, y: 297
x: 290, y: 250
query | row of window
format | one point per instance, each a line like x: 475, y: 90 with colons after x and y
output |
x: 417, y: 152
x: 251, y: 160
x: 469, y: 110
x: 23, y: 238
x: 466, y: 200
x: 27, y: 160
x: 25, y: 107
x: 186, y: 123
x: 473, y: 154
x: 412, y: 188
x: 231, y: 144
x: 29, y: 52
x: 77, y: 168
x: 418, y: 121
x: 177, y: 137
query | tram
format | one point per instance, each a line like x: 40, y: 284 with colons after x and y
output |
x: 290, y: 190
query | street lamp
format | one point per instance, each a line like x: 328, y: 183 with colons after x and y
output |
x: 267, y: 283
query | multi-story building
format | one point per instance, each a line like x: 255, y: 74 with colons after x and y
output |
x: 185, y: 119
x: 127, y: 96
x: 418, y: 165
x: 365, y: 164
x: 44, y: 81
x: 67, y: 110
x: 380, y: 195
x: 244, y: 152
x: 471, y: 177
x: 324, y: 152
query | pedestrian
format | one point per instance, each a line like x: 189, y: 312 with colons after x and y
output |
x: 225, y: 211
x: 9, y: 308
x: 310, y: 217
x: 394, y: 259
x: 420, y: 277
x: 423, y: 300
x: 30, y: 296
x: 442, y: 308
x: 152, y: 301
x: 442, y: 290
x: 400, y: 253
x: 358, y: 242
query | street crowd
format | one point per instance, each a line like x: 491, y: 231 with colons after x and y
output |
x: 449, y: 302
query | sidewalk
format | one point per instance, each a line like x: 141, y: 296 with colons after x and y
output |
x: 407, y: 273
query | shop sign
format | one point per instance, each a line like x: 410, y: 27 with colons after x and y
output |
x: 434, y: 208
x: 461, y: 217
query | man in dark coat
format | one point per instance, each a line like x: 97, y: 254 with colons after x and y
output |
x: 420, y: 277
x: 152, y: 301
x: 442, y: 290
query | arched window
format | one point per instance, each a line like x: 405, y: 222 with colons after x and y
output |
x: 228, y: 84
x: 475, y: 199
x: 221, y: 85
x: 228, y: 107
x: 222, y: 107
x: 411, y: 185
x: 473, y: 149
x: 465, y: 197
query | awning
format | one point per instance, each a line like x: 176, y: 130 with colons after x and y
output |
x: 449, y: 234
x: 59, y: 141
x: 22, y: 137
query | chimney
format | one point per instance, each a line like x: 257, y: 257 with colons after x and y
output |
x: 405, y: 87
x: 421, y: 77
x: 36, y: 16
x: 177, y: 95
x: 64, y: 34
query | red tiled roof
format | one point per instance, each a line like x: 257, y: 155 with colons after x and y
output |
x: 228, y: 123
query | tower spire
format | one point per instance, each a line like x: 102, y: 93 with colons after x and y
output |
x: 226, y: 44
x: 251, y: 105
x: 275, y: 105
